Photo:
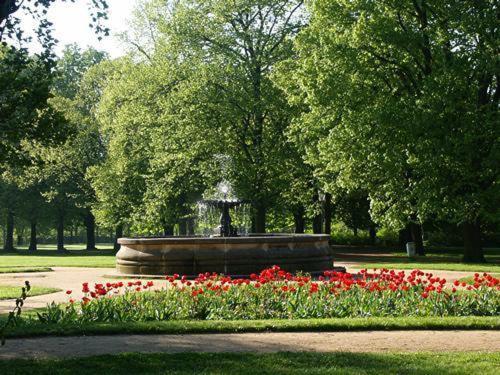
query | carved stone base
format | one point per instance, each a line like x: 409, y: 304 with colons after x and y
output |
x: 236, y: 256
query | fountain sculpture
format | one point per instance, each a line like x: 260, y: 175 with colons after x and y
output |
x: 225, y: 252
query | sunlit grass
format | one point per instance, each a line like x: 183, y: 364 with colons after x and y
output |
x: 8, y: 292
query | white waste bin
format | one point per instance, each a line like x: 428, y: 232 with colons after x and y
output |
x: 411, y: 249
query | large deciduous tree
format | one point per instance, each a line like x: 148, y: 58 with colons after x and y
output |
x: 198, y: 91
x: 25, y: 116
x: 406, y: 96
x: 240, y: 43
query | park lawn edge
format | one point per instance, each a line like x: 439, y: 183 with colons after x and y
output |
x: 33, y: 329
x: 269, y: 363
x: 22, y: 269
x: 34, y: 291
x: 445, y: 266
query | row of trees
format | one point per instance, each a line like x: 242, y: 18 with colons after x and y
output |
x: 375, y: 113
x: 44, y: 167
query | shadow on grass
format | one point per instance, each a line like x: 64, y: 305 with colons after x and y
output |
x: 276, y: 363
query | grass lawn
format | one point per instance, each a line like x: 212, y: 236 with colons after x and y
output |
x: 448, y: 259
x: 470, y: 279
x: 46, y: 256
x: 35, y: 328
x: 75, y: 247
x: 276, y: 363
x: 66, y: 260
x: 8, y: 292
x: 17, y: 269
x: 431, y: 264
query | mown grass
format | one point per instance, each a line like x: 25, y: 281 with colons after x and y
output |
x: 442, y: 258
x: 409, y: 264
x: 18, y: 269
x: 470, y: 279
x: 8, y: 292
x: 34, y: 328
x: 72, y: 247
x: 46, y: 256
x: 273, y: 363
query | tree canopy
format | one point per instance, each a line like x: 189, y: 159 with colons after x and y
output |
x: 376, y: 114
x: 406, y: 97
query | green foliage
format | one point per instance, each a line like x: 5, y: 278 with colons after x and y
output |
x: 400, y: 101
x: 391, y: 108
x: 198, y: 108
x: 25, y: 117
x: 14, y: 315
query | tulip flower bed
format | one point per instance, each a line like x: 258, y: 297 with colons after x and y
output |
x: 276, y: 294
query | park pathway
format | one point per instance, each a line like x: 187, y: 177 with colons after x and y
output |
x: 371, y: 341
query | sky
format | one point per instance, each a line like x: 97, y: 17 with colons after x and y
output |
x: 71, y: 25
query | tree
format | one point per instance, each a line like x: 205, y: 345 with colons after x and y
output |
x: 353, y: 210
x: 60, y: 169
x: 12, y: 10
x: 191, y: 98
x: 9, y: 195
x: 407, y: 96
x: 76, y: 99
x: 237, y: 45
x: 25, y: 116
x: 157, y: 155
x: 79, y: 97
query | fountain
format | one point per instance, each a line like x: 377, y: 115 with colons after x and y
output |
x: 225, y: 251
x: 224, y: 204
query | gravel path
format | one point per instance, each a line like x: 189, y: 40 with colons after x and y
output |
x: 372, y: 341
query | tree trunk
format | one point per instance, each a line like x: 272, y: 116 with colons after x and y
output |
x: 118, y: 234
x: 168, y: 230
x: 60, y: 233
x: 90, y: 228
x: 317, y: 222
x: 20, y: 237
x: 190, y: 226
x: 33, y: 245
x: 328, y: 213
x: 9, y: 235
x: 260, y: 218
x: 404, y: 237
x: 416, y: 236
x: 182, y: 227
x: 373, y: 234
x: 473, y: 251
x: 299, y: 219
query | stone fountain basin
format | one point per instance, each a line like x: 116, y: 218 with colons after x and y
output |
x: 235, y: 256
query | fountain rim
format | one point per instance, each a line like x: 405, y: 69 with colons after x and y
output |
x: 256, y: 237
